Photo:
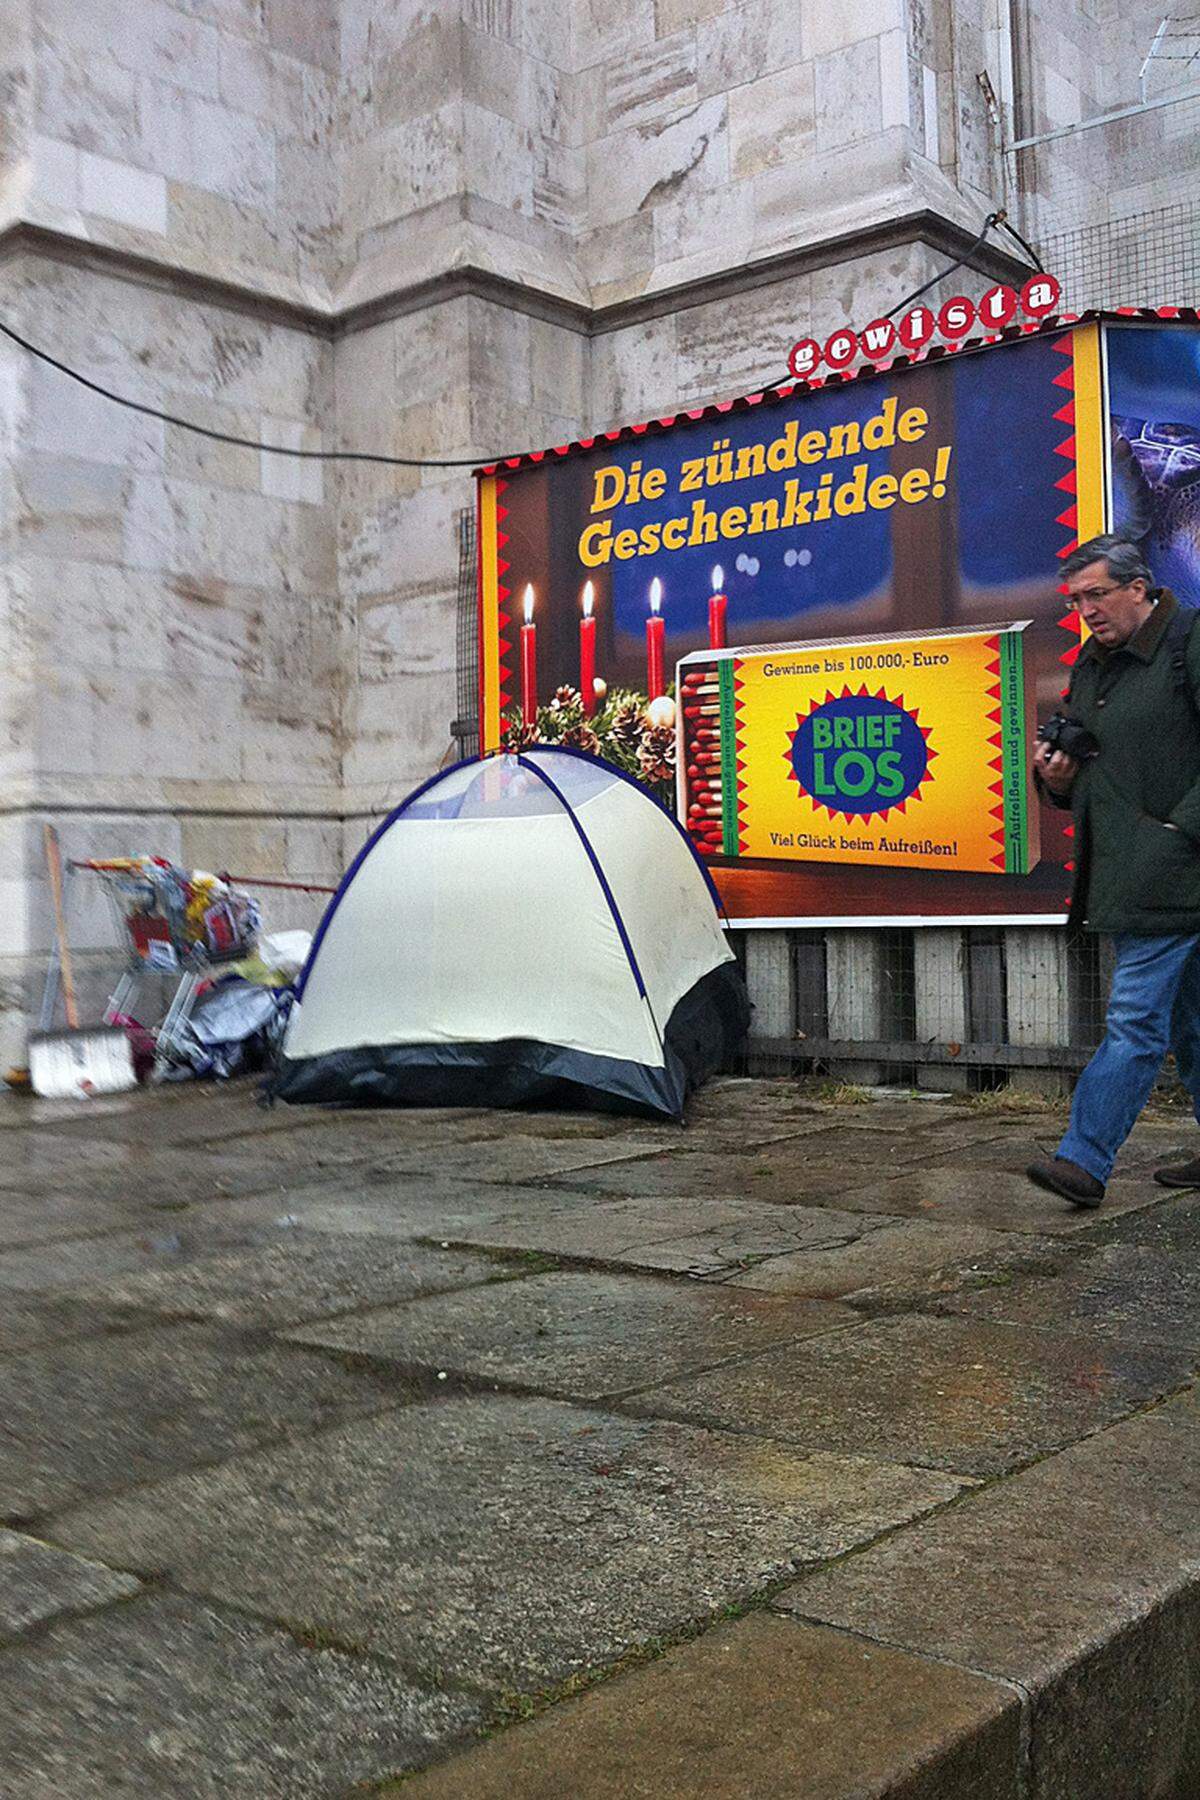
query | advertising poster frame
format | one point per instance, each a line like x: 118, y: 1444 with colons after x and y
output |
x: 1015, y: 463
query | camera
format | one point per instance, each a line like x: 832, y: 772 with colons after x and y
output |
x: 1069, y: 736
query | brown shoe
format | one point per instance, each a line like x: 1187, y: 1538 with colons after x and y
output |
x: 1068, y: 1180
x: 1183, y: 1175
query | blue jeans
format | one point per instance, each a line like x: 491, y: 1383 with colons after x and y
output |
x: 1154, y: 1007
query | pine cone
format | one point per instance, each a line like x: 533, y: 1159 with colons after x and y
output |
x: 565, y: 698
x: 627, y: 727
x: 656, y: 754
x: 519, y: 736
x: 581, y: 737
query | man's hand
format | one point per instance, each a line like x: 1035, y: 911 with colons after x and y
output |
x: 1056, y: 770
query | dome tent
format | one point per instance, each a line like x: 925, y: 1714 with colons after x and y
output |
x: 529, y: 927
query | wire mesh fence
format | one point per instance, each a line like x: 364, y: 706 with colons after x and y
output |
x: 464, y: 728
x: 1145, y: 259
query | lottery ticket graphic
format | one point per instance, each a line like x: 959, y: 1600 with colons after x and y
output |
x: 906, y: 752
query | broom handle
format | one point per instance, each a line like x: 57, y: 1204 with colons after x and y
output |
x: 54, y: 864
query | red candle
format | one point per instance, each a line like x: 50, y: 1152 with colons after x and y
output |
x: 529, y: 663
x: 655, y: 634
x: 587, y: 652
x: 717, y: 604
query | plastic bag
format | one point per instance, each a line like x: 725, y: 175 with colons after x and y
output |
x: 234, y: 1027
x: 285, y: 952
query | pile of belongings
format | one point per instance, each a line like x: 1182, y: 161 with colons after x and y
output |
x: 237, y: 1023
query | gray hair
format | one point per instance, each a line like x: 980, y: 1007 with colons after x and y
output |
x: 1124, y: 561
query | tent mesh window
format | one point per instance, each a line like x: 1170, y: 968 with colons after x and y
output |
x: 465, y: 728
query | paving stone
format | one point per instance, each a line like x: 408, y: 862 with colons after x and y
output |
x: 523, y: 1159
x: 1005, y: 1150
x: 30, y: 1320
x: 32, y: 1158
x: 100, y: 1414
x: 949, y: 1129
x: 578, y: 1335
x: 998, y: 1198
x: 344, y: 1150
x: 1156, y: 1142
x: 161, y: 1110
x: 448, y: 1533
x: 169, y: 1237
x: 1172, y: 1227
x: 826, y: 1167
x: 511, y: 1542
x: 139, y: 1175
x: 37, y: 1582
x: 553, y: 1126
x: 415, y: 1208
x: 735, y: 1133
x: 753, y: 1096
x: 1012, y: 1257
x: 1009, y: 1149
x: 309, y: 1275
x: 693, y: 1237
x: 182, y: 1701
x: 977, y: 1397
x: 160, y: 1113
x: 41, y: 1218
x: 333, y: 1134
x: 782, y: 1097
x: 190, y: 1114
x: 763, y: 1707
x: 1076, y: 1579
x: 1122, y: 1291
x: 250, y: 1153
x: 899, y: 1248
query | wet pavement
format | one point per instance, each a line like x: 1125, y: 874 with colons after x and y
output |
x: 803, y: 1451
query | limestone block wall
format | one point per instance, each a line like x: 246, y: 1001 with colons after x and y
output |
x: 717, y: 135
x: 171, y: 605
x: 458, y: 144
x: 195, y: 136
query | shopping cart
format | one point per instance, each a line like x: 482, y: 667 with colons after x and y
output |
x: 175, y: 930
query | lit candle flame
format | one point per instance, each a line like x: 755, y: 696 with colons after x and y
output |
x: 589, y: 599
x: 529, y: 604
x: 655, y: 594
x: 718, y: 579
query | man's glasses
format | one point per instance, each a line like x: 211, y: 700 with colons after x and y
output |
x: 1092, y: 596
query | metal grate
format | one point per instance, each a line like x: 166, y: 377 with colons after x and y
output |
x: 465, y: 728
x: 1147, y: 259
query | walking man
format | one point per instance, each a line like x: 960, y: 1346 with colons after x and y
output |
x: 1135, y: 795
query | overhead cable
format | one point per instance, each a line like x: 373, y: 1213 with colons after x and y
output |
x: 229, y: 437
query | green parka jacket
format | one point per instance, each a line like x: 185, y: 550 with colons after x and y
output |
x: 1132, y: 873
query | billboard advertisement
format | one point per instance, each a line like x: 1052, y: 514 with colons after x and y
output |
x: 922, y: 502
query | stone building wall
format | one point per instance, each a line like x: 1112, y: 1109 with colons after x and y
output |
x: 438, y: 230
x: 171, y: 613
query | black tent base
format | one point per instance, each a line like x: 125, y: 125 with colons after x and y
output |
x: 705, y: 1029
